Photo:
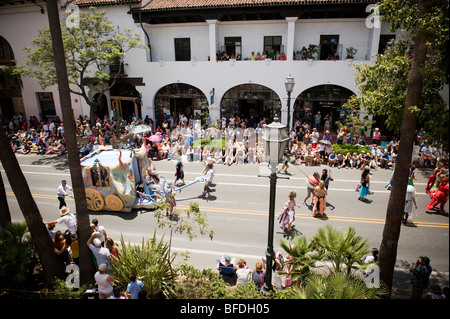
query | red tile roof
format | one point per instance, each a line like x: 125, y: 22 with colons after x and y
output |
x: 85, y: 3
x: 154, y: 5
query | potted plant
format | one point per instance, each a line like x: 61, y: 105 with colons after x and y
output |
x: 311, y: 50
x: 351, y: 51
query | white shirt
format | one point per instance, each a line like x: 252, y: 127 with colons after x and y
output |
x: 71, y: 222
x: 104, y: 287
x: 209, y: 175
x: 243, y: 276
x: 62, y: 190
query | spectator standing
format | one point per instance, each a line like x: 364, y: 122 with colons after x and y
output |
x: 420, y: 271
x: 104, y: 282
x: 134, y: 287
x: 102, y: 254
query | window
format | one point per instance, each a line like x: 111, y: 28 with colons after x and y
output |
x: 47, y: 105
x: 328, y: 46
x: 272, y: 43
x: 384, y: 40
x: 182, y: 49
x: 233, y: 45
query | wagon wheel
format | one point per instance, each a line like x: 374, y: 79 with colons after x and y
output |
x: 114, y: 202
x: 94, y: 200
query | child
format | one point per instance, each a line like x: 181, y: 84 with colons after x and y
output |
x: 208, y: 180
x: 179, y: 174
x: 287, y: 215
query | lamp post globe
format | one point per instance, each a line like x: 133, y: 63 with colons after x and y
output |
x: 289, y: 84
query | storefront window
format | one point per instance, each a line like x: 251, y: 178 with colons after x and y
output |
x: 250, y: 99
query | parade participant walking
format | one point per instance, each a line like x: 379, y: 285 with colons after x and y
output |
x: 311, y: 183
x: 208, y: 180
x: 410, y: 199
x: 365, y: 183
x: 179, y: 174
x: 320, y: 201
x: 439, y: 196
x: 287, y: 215
x: 61, y: 193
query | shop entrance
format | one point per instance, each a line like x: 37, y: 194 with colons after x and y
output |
x: 326, y: 99
x: 250, y: 99
x: 181, y: 98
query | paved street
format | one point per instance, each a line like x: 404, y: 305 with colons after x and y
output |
x: 238, y: 212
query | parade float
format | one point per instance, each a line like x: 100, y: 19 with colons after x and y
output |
x: 121, y: 180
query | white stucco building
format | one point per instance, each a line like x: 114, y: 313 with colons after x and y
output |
x: 180, y: 72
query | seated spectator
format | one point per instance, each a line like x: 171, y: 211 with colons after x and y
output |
x: 385, y: 160
x: 243, y: 273
x: 426, y: 154
x: 258, y: 275
x: 227, y: 270
x: 332, y: 159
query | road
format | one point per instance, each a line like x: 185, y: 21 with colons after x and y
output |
x: 238, y: 211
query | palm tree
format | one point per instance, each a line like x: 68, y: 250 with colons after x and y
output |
x: 341, y: 250
x: 50, y: 261
x: 17, y: 253
x: 86, y: 265
x: 336, y: 286
x: 303, y: 258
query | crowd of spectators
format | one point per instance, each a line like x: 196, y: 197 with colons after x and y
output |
x: 241, y: 140
x: 266, y: 54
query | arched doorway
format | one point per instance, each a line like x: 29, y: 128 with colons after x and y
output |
x: 181, y: 98
x: 101, y: 108
x: 11, y: 101
x: 326, y: 99
x: 246, y: 100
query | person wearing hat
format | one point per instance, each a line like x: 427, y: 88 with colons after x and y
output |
x: 104, y: 282
x: 227, y: 269
x: 67, y: 218
x: 70, y: 221
x: 61, y: 193
x: 102, y: 254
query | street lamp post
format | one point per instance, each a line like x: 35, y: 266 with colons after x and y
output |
x: 275, y: 142
x: 289, y: 84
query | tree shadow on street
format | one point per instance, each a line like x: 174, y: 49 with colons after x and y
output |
x: 58, y: 162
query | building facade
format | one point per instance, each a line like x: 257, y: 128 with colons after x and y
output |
x: 184, y: 70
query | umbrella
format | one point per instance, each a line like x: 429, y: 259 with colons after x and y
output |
x: 140, y: 129
x: 155, y: 138
x: 326, y: 142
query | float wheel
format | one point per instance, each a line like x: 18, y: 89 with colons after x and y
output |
x: 114, y: 202
x: 94, y: 200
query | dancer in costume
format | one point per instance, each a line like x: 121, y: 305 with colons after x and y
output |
x: 365, y: 183
x: 320, y: 200
x: 287, y: 215
x: 439, y: 196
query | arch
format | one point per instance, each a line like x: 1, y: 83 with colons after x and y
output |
x: 326, y: 99
x: 11, y: 101
x: 181, y: 98
x: 101, y: 109
x: 249, y: 99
